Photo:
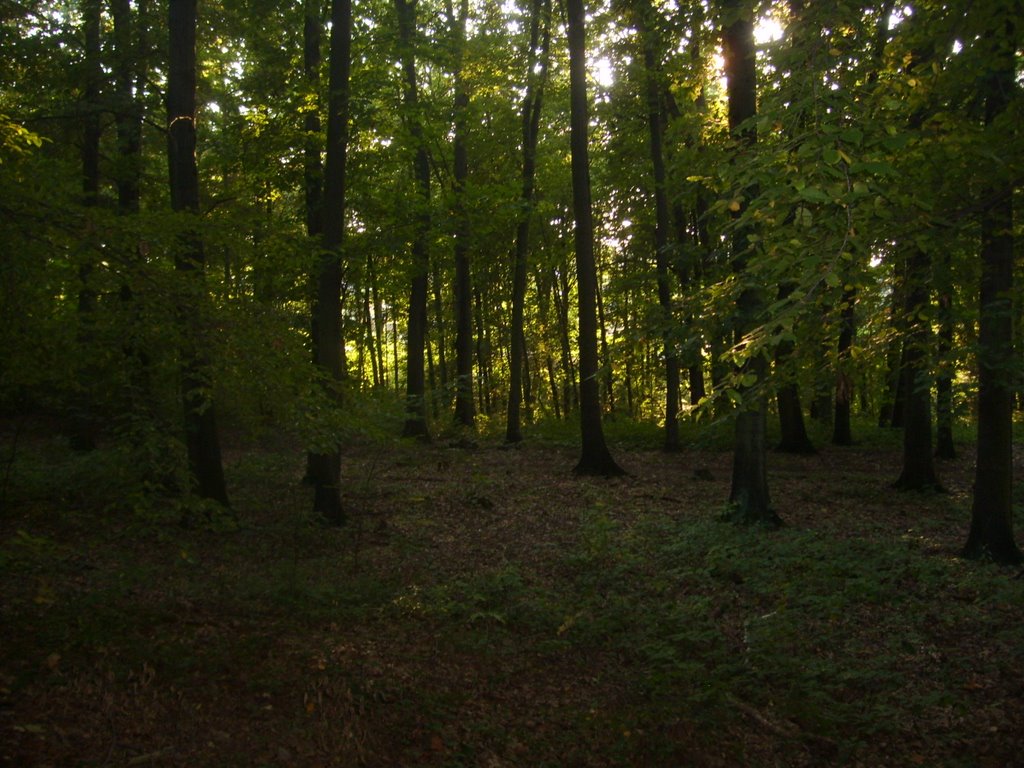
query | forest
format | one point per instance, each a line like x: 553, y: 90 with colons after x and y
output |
x: 521, y: 383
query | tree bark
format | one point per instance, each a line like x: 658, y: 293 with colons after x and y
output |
x: 201, y: 437
x: 464, y: 411
x: 82, y: 424
x: 415, y: 384
x: 540, y: 39
x: 793, y: 431
x: 662, y: 222
x: 749, y: 499
x: 326, y: 466
x: 918, y: 462
x: 842, y: 434
x: 595, y: 458
x: 944, y: 447
x: 991, y: 534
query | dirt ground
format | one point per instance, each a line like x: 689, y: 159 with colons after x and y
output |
x: 437, y: 627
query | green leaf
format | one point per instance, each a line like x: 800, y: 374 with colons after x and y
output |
x: 814, y: 195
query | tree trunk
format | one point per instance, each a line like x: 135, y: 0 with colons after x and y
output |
x: 415, y: 385
x: 540, y: 38
x: 201, y: 438
x: 918, y: 462
x: 991, y: 534
x: 748, y: 499
x: 464, y: 412
x: 793, y: 431
x: 595, y: 459
x: 662, y: 223
x: 325, y: 467
x: 944, y: 447
x: 82, y: 424
x: 842, y: 434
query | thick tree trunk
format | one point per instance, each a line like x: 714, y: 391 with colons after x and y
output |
x: 464, y: 412
x: 540, y: 38
x: 415, y: 384
x: 918, y: 462
x: 201, y: 436
x: 595, y: 459
x: 325, y: 468
x: 748, y: 499
x: 991, y: 534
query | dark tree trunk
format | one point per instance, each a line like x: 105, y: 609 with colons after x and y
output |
x: 570, y: 396
x: 440, y: 330
x: 842, y: 434
x: 201, y: 437
x: 464, y: 412
x: 605, y: 363
x: 326, y: 467
x: 655, y: 121
x: 595, y: 459
x: 540, y: 38
x: 415, y: 384
x: 918, y: 461
x: 991, y: 534
x: 944, y: 447
x: 129, y: 81
x: 82, y: 422
x: 554, y: 388
x: 793, y: 431
x: 749, y: 499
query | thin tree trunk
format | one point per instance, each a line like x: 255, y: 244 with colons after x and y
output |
x: 540, y: 38
x: 415, y: 398
x: 606, y: 360
x: 82, y: 425
x: 842, y: 434
x: 655, y: 123
x: 944, y: 447
x: 793, y: 431
x: 464, y: 412
x: 595, y: 459
x: 129, y: 79
x: 201, y: 437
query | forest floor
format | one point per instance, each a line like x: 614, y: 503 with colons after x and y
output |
x: 484, y: 607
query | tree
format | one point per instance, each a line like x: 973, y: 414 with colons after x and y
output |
x: 464, y: 412
x: 918, y: 459
x: 749, y: 498
x: 595, y: 458
x: 415, y: 398
x: 662, y: 225
x: 326, y: 466
x: 991, y: 533
x: 537, y: 58
x: 201, y: 438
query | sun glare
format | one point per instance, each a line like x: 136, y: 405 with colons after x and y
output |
x: 767, y: 30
